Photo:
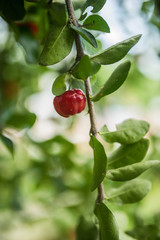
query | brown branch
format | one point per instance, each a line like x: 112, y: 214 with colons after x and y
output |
x: 80, y: 54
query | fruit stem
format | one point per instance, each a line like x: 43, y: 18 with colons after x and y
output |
x: 88, y: 89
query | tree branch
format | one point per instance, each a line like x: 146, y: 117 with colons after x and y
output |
x: 88, y: 89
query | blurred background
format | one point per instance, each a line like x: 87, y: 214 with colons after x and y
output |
x: 45, y: 187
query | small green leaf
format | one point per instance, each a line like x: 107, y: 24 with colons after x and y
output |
x: 86, y: 35
x: 8, y: 143
x: 59, y: 86
x: 128, y: 154
x: 116, y: 52
x: 107, y: 223
x: 58, y: 13
x: 96, y: 22
x: 128, y: 132
x: 12, y: 10
x: 58, y: 45
x: 132, y: 171
x: 21, y: 120
x: 100, y: 163
x: 83, y: 69
x: 97, y: 5
x: 114, y: 82
x: 130, y: 192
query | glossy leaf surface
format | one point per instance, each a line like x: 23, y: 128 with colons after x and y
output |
x: 58, y: 13
x: 114, y: 82
x: 58, y: 45
x: 116, y: 52
x: 83, y: 69
x: 96, y: 22
x: 128, y: 154
x: 86, y: 35
x: 132, y: 171
x: 128, y: 132
x: 107, y: 223
x: 130, y: 192
x: 59, y: 86
x: 97, y: 5
x: 100, y: 163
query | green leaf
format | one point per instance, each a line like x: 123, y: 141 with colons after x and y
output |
x: 58, y: 13
x: 130, y: 192
x: 58, y: 45
x: 86, y: 230
x: 128, y: 154
x: 132, y: 171
x: 12, y: 10
x: 147, y: 6
x: 100, y: 163
x: 59, y: 86
x: 96, y: 22
x: 116, y: 52
x: 88, y: 48
x: 97, y: 5
x: 83, y: 69
x: 21, y: 120
x: 114, y: 82
x: 95, y: 67
x: 86, y: 35
x: 8, y: 143
x: 128, y: 132
x: 107, y: 223
x: 78, y: 84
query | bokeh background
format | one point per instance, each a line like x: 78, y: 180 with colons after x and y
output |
x: 45, y: 188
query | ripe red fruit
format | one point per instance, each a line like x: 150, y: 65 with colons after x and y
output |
x: 70, y: 103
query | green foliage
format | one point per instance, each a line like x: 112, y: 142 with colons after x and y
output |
x: 58, y: 45
x: 132, y: 171
x: 97, y: 5
x: 128, y: 154
x: 8, y: 143
x: 83, y: 69
x: 107, y: 223
x: 57, y: 12
x: 128, y: 132
x: 21, y: 120
x: 86, y: 35
x: 96, y: 22
x: 130, y: 192
x: 53, y: 168
x: 86, y: 230
x: 12, y: 10
x: 100, y: 163
x: 116, y: 52
x: 147, y: 231
x: 59, y: 86
x: 114, y: 82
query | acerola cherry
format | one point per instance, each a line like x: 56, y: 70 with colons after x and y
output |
x: 70, y: 103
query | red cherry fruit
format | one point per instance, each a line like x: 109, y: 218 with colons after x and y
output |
x: 70, y: 103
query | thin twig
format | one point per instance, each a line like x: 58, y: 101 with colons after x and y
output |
x: 80, y: 54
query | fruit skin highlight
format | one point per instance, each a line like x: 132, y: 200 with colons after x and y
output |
x: 70, y: 103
